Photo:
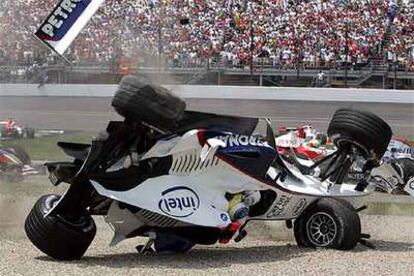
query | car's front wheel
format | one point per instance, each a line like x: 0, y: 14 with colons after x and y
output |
x: 328, y: 223
x: 139, y: 100
x: 62, y: 238
x: 364, y: 130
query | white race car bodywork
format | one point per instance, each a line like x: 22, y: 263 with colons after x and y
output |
x: 387, y: 179
x: 384, y: 177
x: 194, y: 190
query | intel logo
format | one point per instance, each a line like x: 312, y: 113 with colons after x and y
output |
x: 179, y: 202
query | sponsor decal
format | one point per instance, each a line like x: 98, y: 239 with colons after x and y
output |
x: 398, y: 149
x: 65, y: 22
x: 243, y: 140
x: 403, y: 150
x: 224, y: 217
x: 327, y: 185
x: 63, y: 17
x: 279, y: 207
x: 300, y: 205
x: 179, y: 202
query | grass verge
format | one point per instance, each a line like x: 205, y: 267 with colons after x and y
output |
x: 45, y: 148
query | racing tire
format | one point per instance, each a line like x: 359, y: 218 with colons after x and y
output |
x: 363, y: 129
x: 328, y: 223
x: 56, y: 236
x: 138, y: 100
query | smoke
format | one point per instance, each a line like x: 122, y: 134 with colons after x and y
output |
x: 16, y: 201
x: 12, y: 215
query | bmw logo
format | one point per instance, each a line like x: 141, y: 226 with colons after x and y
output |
x: 224, y: 217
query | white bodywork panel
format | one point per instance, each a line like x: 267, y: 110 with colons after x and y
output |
x: 409, y: 188
x: 311, y: 186
x: 188, y: 203
x: 199, y: 178
x: 398, y: 148
x: 122, y: 221
x: 287, y: 206
x: 387, y: 178
x: 194, y: 191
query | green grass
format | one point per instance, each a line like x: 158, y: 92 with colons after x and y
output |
x: 45, y: 148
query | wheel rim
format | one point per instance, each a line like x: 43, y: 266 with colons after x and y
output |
x: 343, y: 142
x: 51, y: 201
x: 321, y: 229
x: 72, y: 221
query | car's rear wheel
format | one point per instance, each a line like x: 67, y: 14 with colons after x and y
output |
x: 138, y: 100
x: 59, y: 237
x: 328, y: 223
x: 365, y: 130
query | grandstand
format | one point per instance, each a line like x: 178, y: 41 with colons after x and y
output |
x: 355, y: 42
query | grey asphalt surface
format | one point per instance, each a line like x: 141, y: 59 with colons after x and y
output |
x: 85, y: 113
x: 253, y: 255
x: 262, y: 252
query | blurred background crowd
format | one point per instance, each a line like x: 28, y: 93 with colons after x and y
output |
x: 230, y: 33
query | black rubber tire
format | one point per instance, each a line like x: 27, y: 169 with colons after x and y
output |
x: 55, y: 236
x: 138, y: 100
x: 20, y: 153
x: 366, y: 130
x: 346, y: 219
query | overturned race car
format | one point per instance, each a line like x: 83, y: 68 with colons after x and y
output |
x: 183, y: 178
x: 15, y: 164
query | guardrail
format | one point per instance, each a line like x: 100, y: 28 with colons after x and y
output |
x: 223, y: 92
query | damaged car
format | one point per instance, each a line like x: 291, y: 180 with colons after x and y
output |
x: 182, y: 178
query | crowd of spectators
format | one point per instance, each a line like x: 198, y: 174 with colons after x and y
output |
x: 401, y: 45
x: 280, y: 33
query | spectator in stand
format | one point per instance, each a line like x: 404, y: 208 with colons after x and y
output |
x: 286, y: 33
x: 402, y: 40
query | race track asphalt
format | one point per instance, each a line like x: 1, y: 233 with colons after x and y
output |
x: 258, y: 254
x: 92, y: 114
